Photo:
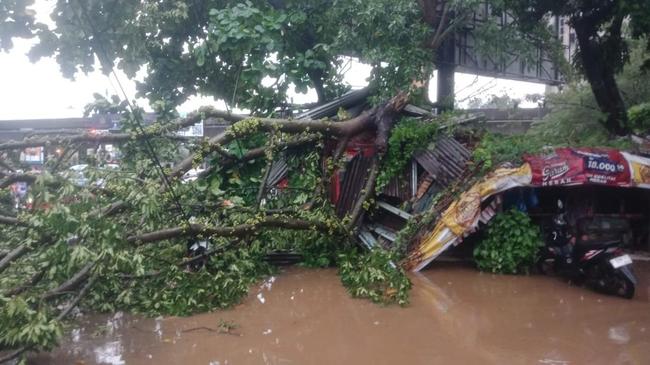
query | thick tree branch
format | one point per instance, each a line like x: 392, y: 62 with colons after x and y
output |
x: 280, y: 146
x: 367, y: 192
x: 71, y: 283
x: 90, y: 138
x: 76, y: 299
x: 436, y: 40
x: 13, y: 255
x: 349, y: 127
x: 12, y: 355
x: 233, y: 231
x: 11, y: 221
x: 386, y: 117
x: 12, y: 179
x: 33, y: 280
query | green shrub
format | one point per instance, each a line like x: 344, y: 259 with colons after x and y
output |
x: 511, y: 245
x: 495, y: 149
x: 639, y: 116
x: 407, y: 137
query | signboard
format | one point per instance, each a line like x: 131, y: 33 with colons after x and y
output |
x: 566, y: 166
x: 466, y: 55
x: 32, y: 156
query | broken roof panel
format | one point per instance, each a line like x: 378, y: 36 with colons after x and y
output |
x: 400, y: 186
x: 352, y: 181
x: 348, y: 100
x: 445, y: 162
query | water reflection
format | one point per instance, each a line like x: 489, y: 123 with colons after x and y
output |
x: 109, y: 353
x: 619, y: 335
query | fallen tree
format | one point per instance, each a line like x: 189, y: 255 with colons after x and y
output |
x: 120, y: 240
x: 231, y: 215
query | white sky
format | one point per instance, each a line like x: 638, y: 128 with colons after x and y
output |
x: 38, y: 90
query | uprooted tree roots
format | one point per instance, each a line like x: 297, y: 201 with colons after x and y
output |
x: 120, y: 240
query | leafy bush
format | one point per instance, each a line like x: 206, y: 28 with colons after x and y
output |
x: 511, y: 246
x: 494, y: 150
x: 374, y: 276
x: 639, y: 116
x: 407, y: 137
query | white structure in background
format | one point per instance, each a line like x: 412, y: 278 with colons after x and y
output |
x: 195, y: 130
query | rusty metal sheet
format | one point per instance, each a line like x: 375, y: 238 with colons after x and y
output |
x: 350, y: 99
x: 400, y: 186
x: 446, y: 162
x: 353, y: 178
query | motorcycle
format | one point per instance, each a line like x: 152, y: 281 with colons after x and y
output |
x: 602, y: 266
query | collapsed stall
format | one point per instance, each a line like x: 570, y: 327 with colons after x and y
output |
x: 595, y: 171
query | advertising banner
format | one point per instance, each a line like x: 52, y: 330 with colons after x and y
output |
x: 567, y: 166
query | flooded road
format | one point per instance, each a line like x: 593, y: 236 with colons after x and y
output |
x: 456, y: 316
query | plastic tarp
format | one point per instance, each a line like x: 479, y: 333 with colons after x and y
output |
x: 562, y: 167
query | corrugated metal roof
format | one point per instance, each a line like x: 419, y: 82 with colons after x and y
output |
x: 352, y: 181
x: 278, y: 171
x: 400, y: 186
x: 349, y: 99
x: 446, y: 162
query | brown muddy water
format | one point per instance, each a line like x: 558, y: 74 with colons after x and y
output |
x: 456, y: 316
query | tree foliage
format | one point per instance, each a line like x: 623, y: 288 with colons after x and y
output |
x: 251, y: 54
x: 574, y: 119
x: 374, y: 276
x: 17, y: 20
x: 248, y: 54
x: 410, y: 135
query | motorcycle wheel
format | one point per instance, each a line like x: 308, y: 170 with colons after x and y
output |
x: 622, y: 286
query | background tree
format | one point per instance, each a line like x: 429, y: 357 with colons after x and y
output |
x: 16, y: 20
x: 600, y: 28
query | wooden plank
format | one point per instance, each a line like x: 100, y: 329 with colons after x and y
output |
x: 384, y: 232
x: 398, y: 212
x: 367, y: 238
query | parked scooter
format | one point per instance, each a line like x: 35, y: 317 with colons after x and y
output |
x: 601, y: 265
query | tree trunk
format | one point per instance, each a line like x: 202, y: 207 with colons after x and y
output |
x: 316, y: 77
x: 600, y: 75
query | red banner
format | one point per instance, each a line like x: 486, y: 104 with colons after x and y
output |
x: 569, y: 166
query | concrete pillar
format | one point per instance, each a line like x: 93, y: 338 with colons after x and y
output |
x: 446, y: 68
x: 445, y: 87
